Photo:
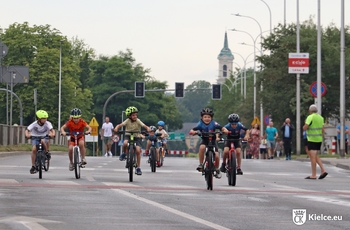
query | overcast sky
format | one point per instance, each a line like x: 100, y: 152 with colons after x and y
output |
x: 178, y: 40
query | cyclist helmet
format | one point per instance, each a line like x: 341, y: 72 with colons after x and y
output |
x: 153, y: 128
x: 130, y: 110
x: 75, y: 113
x: 207, y: 111
x: 233, y: 118
x: 161, y: 123
x: 40, y: 114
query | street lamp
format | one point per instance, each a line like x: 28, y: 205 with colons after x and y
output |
x: 59, y: 87
x: 254, y: 41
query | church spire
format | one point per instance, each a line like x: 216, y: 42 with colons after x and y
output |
x: 225, y: 51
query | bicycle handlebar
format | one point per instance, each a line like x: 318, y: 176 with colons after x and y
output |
x: 39, y: 137
x: 76, y: 133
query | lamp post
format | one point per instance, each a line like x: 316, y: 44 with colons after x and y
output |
x: 59, y: 87
x: 261, y: 85
x: 254, y: 41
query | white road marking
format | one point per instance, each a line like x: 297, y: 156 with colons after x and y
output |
x: 29, y: 222
x: 62, y: 182
x: 174, y: 211
x: 10, y: 181
x: 120, y: 184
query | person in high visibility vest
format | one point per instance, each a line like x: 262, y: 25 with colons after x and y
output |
x: 314, y: 131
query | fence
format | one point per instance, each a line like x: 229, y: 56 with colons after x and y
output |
x: 15, y: 135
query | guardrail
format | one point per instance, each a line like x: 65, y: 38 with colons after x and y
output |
x: 15, y: 135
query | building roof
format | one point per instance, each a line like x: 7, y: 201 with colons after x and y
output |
x: 225, y: 51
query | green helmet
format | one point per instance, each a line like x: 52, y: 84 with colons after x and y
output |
x: 130, y: 110
x: 40, y: 114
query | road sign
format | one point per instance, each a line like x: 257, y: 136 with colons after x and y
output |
x: 267, y: 119
x: 15, y: 74
x: 313, y: 89
x: 177, y: 136
x: 94, y: 127
x: 115, y: 138
x: 255, y: 121
x: 298, y: 63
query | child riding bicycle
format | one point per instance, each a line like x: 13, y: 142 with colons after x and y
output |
x: 40, y: 128
x: 234, y: 126
x: 207, y: 124
x: 132, y: 123
x: 76, y: 124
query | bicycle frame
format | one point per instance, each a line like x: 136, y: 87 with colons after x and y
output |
x: 231, y: 163
x: 77, y: 159
x: 40, y: 156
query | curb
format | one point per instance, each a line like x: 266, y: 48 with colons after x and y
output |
x: 324, y: 161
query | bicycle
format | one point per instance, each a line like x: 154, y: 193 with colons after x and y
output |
x: 41, y: 159
x: 152, y: 160
x: 77, y: 159
x: 231, y: 163
x: 209, y: 169
x: 131, y: 153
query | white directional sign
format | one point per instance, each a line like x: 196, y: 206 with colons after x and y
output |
x: 298, y: 63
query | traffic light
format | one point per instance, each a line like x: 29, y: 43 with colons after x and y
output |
x: 179, y: 89
x: 139, y: 89
x: 216, y: 92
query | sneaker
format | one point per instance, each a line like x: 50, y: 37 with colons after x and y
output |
x: 290, y: 158
x: 218, y: 174
x: 223, y: 167
x: 122, y: 157
x: 110, y: 153
x: 287, y: 158
x: 32, y: 170
x: 71, y: 166
x: 138, y: 171
x: 200, y: 168
x: 48, y: 155
x: 83, y: 162
x: 106, y: 154
x: 239, y: 171
x: 158, y: 164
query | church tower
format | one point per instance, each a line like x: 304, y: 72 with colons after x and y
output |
x: 225, y: 62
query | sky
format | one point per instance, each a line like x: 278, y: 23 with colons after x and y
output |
x: 179, y: 41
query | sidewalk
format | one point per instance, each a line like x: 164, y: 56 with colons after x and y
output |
x: 340, y: 163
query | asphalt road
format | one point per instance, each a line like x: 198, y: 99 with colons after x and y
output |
x: 175, y: 197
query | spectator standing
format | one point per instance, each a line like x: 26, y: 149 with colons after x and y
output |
x: 346, y: 135
x: 287, y: 132
x: 106, y: 136
x: 314, y: 126
x: 279, y: 147
x: 271, y: 135
x: 263, y: 149
x: 254, y: 141
x: 244, y: 145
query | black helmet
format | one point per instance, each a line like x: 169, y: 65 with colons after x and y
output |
x: 75, y: 113
x: 153, y: 128
x: 233, y: 118
x: 207, y: 111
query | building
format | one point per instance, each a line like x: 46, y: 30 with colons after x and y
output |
x: 225, y: 58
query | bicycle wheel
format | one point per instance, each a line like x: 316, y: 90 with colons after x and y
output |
x: 231, y: 168
x: 47, y: 164
x: 39, y: 163
x: 76, y: 161
x: 161, y: 156
x: 209, y: 170
x: 131, y: 163
x: 153, y: 161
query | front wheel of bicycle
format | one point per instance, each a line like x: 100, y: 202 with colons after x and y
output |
x: 130, y: 162
x: 209, y: 170
x: 161, y: 156
x: 47, y: 164
x: 231, y: 169
x: 153, y: 161
x: 39, y: 163
x: 76, y: 161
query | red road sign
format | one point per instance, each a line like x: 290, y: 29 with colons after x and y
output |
x: 298, y: 63
x: 313, y: 89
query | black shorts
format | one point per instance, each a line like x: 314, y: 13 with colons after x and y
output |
x: 205, y: 142
x: 236, y: 143
x: 314, y: 145
x: 263, y: 151
x: 137, y: 140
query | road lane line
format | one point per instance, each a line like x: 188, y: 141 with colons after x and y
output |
x: 174, y: 211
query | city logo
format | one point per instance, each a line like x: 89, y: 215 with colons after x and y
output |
x: 299, y: 216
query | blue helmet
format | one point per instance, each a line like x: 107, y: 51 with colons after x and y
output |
x: 161, y: 123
